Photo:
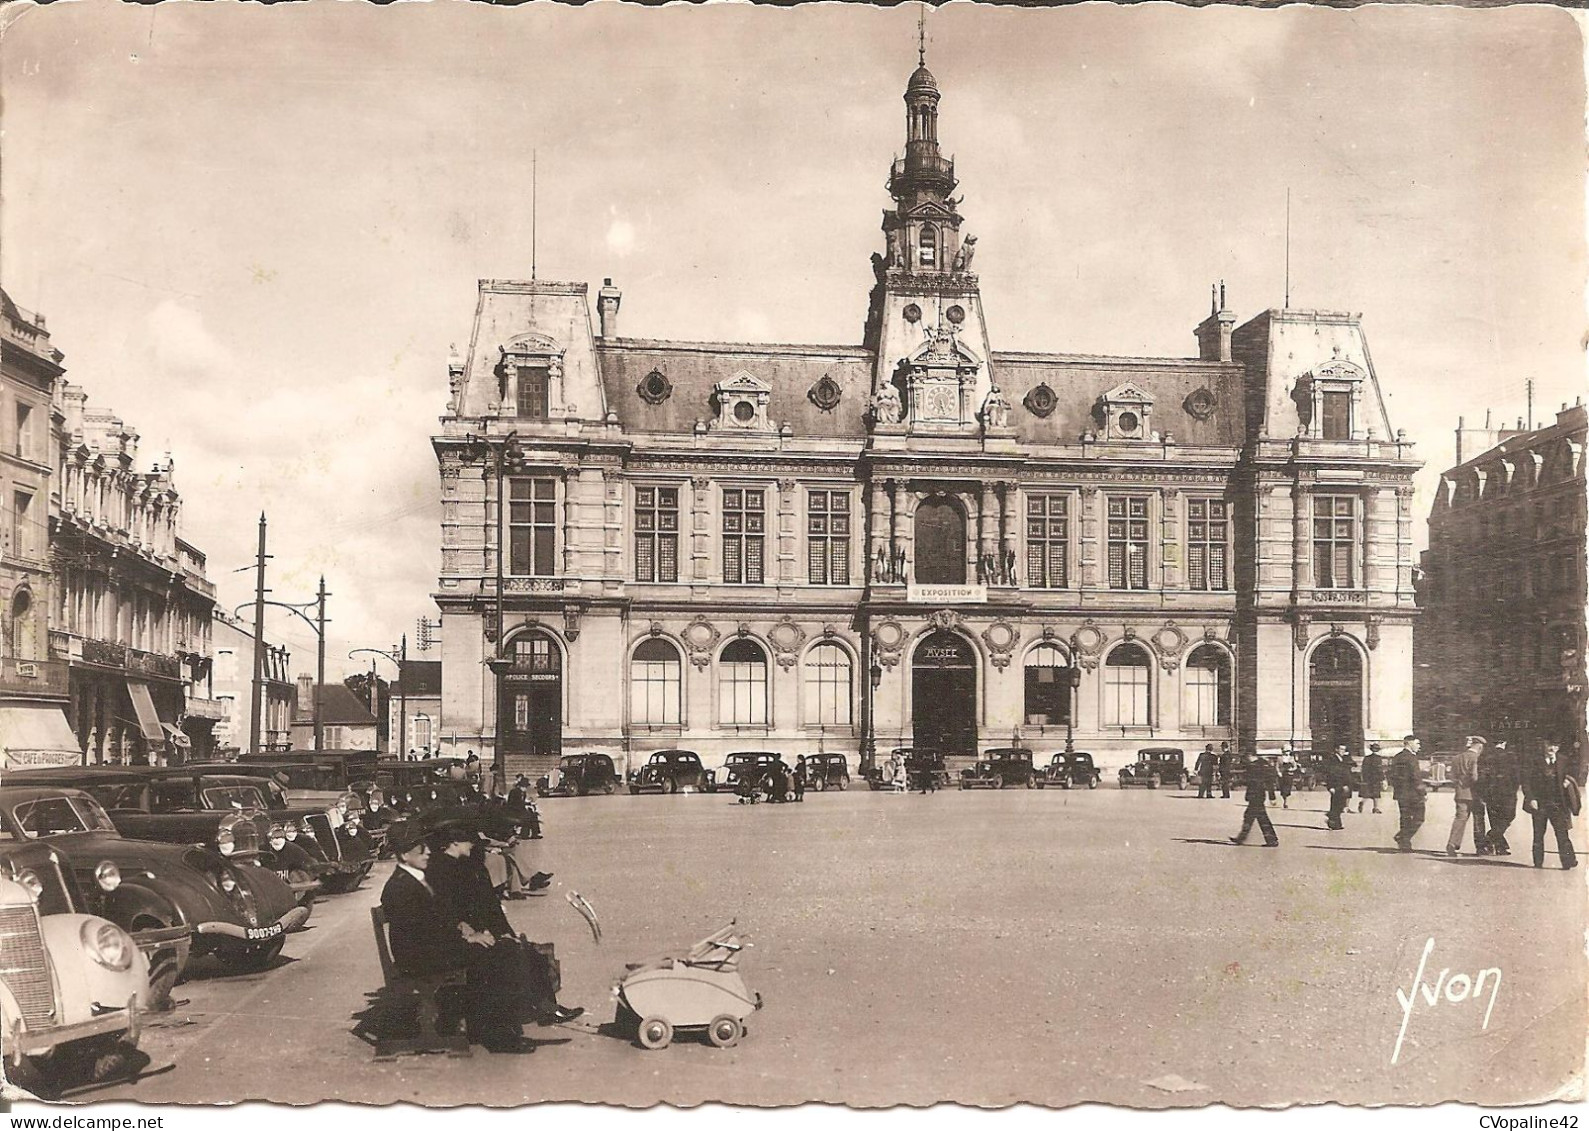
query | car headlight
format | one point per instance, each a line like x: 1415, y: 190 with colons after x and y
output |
x: 30, y: 880
x: 224, y: 843
x: 108, y: 945
x: 107, y: 875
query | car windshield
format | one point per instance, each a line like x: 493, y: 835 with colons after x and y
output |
x: 126, y: 796
x: 232, y: 797
x: 51, y: 816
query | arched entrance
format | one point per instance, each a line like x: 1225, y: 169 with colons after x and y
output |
x: 530, y: 698
x: 940, y: 543
x: 1335, y: 697
x: 943, y: 685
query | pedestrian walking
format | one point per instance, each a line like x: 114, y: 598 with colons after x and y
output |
x: 1407, y: 787
x: 1227, y: 762
x: 1260, y: 787
x: 1338, y: 780
x: 1500, y: 777
x: 1465, y: 776
x: 1373, y: 778
x: 801, y: 774
x: 1551, y: 793
x: 1205, y: 772
x: 1286, y: 771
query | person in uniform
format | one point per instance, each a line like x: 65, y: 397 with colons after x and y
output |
x: 1373, y: 777
x: 1550, y: 793
x: 1260, y: 787
x: 1465, y: 776
x: 1499, y: 780
x: 1205, y: 772
x: 1227, y: 762
x: 1407, y: 787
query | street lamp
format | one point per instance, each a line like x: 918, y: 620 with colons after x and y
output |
x: 399, y: 656
x: 318, y: 627
x: 874, y: 674
x: 1073, y: 679
x: 499, y: 449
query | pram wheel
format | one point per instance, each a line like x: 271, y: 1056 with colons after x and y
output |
x: 724, y: 1032
x: 655, y: 1033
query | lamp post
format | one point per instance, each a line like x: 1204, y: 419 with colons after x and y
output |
x: 318, y: 627
x: 398, y: 654
x: 1073, y: 679
x: 874, y: 677
x: 499, y: 449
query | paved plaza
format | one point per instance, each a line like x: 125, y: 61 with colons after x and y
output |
x: 985, y: 948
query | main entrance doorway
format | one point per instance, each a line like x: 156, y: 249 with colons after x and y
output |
x: 530, y: 699
x: 1335, y: 697
x: 944, y: 695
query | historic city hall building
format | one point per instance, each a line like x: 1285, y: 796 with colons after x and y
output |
x: 720, y: 546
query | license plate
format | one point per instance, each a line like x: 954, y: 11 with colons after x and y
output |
x: 269, y: 932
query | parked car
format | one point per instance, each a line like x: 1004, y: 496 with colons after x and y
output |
x: 311, y: 772
x: 827, y: 771
x: 72, y: 984
x: 237, y: 909
x: 670, y: 771
x: 1067, y: 770
x: 580, y: 775
x: 1156, y: 766
x: 741, y: 764
x: 1436, y: 770
x: 913, y: 765
x: 999, y: 767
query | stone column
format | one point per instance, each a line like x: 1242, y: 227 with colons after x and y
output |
x: 612, y: 490
x: 572, y: 506
x: 1091, y: 523
x: 1379, y: 541
x: 700, y: 528
x: 1173, y: 573
x: 1009, y: 525
x: 987, y: 550
x: 878, y: 525
x: 902, y: 534
x: 1301, y: 557
x: 787, y: 535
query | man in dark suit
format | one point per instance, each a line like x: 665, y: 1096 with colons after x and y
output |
x: 1260, y: 787
x: 1546, y: 796
x: 1338, y: 780
x: 1407, y: 787
x: 1227, y: 762
x: 1499, y: 780
x: 1205, y: 772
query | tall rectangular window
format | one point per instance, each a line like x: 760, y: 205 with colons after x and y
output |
x: 1337, y: 414
x: 1047, y: 541
x: 1128, y: 542
x: 24, y: 430
x: 1207, y: 544
x: 828, y: 537
x: 744, y: 535
x: 21, y: 523
x: 533, y: 381
x: 532, y: 527
x: 1334, y: 541
x: 656, y: 537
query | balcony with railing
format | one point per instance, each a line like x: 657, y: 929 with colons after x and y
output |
x: 109, y: 654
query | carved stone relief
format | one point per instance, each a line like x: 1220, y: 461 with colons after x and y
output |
x: 1001, y: 638
x: 701, y: 637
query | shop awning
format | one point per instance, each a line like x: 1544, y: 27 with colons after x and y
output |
x: 143, y: 704
x: 37, y: 735
x: 178, y: 739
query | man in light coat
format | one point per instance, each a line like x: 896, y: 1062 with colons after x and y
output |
x: 1465, y: 776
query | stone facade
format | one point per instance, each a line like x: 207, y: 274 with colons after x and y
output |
x: 1501, y: 644
x: 916, y: 539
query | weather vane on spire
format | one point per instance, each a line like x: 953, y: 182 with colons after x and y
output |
x: 921, y: 35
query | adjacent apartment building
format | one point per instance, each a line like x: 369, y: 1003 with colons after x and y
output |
x: 915, y: 539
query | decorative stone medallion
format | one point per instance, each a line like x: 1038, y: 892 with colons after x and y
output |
x: 1200, y: 403
x: 1041, y: 402
x: 700, y: 638
x: 654, y: 387
x: 889, y: 639
x: 825, y: 394
x: 1001, y: 638
x: 786, y: 637
x: 1169, y: 642
x: 1090, y: 641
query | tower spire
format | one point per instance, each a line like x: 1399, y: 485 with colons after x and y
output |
x: 921, y: 36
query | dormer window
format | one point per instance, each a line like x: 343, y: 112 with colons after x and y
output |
x: 742, y: 404
x: 1327, y: 400
x: 1125, y: 412
x: 531, y: 377
x: 533, y: 388
x: 1337, y: 414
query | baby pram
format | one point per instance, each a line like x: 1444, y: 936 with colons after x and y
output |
x: 700, y: 991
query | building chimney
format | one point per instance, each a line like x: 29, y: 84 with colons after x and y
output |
x: 607, y: 308
x: 1213, y: 335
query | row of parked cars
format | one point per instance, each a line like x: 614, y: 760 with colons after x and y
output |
x: 114, y: 879
x: 682, y: 771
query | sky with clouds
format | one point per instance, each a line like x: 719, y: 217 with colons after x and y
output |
x: 256, y: 230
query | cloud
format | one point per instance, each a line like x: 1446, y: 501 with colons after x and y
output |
x: 620, y: 237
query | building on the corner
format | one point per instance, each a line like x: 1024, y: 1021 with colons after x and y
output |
x: 414, y: 709
x: 232, y: 686
x: 916, y: 538
x: 1500, y: 647
x: 33, y: 685
x: 348, y: 722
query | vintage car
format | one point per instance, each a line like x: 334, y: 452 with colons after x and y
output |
x: 1156, y: 766
x: 237, y: 909
x: 580, y: 775
x: 827, y: 771
x: 313, y: 775
x: 1065, y: 771
x: 418, y: 784
x: 912, y: 766
x: 72, y: 984
x: 743, y: 764
x: 1002, y: 766
x: 670, y: 771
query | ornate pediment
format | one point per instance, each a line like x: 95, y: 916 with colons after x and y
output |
x: 532, y: 345
x: 1128, y: 393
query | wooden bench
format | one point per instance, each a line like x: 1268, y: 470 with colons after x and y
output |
x: 425, y: 987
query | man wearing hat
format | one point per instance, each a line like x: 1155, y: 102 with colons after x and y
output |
x: 1205, y: 772
x: 1465, y: 776
x: 1550, y: 793
x: 1373, y: 777
x: 1407, y: 787
x: 424, y: 938
x: 1499, y: 781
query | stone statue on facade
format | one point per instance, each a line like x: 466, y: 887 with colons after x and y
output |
x: 1009, y: 566
x: 880, y: 565
x: 962, y: 259
x: 886, y: 406
x: 996, y: 409
x: 901, y: 563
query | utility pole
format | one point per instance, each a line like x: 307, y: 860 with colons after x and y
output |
x: 402, y: 699
x: 320, y: 665
x: 259, y: 644
x: 1530, y: 386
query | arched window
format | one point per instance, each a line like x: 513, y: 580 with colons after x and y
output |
x: 1125, y: 687
x: 1047, y: 686
x: 1207, y: 687
x: 928, y: 246
x: 940, y: 543
x: 829, y: 683
x: 742, y: 685
x: 655, y: 684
